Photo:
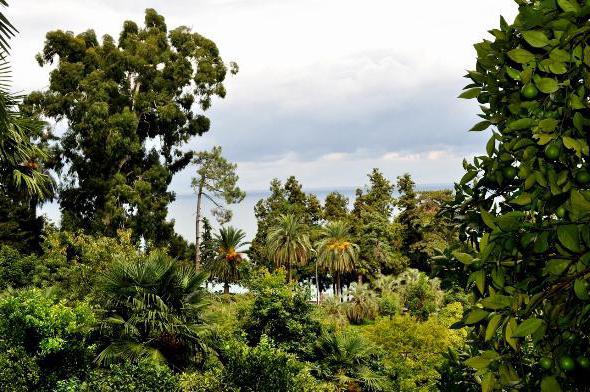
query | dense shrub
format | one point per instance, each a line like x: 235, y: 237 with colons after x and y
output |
x: 124, y: 377
x: 47, y: 334
x: 19, y: 372
x: 16, y: 270
x: 282, y: 312
x: 265, y: 368
x: 363, y: 306
x: 413, y: 348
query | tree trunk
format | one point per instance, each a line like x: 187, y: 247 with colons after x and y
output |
x: 359, y: 279
x: 317, y: 284
x: 198, y: 227
x: 226, y: 288
x: 289, y: 271
x: 339, y: 287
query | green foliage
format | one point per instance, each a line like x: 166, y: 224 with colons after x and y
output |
x: 287, y: 198
x: 16, y: 270
x: 152, y: 311
x: 350, y: 362
x: 288, y: 242
x: 336, y: 251
x: 19, y: 372
x: 208, y: 381
x: 282, y: 312
x: 124, y: 377
x: 227, y: 265
x: 363, y: 306
x: 72, y: 263
x: 115, y: 97
x: 413, y: 349
x: 265, y: 368
x: 335, y: 207
x: 49, y: 338
x: 525, y: 204
x: 378, y: 237
x: 217, y: 179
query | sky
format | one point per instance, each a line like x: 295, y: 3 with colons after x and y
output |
x: 327, y: 89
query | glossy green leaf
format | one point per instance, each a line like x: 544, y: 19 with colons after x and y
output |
x: 528, y: 327
x: 521, y: 56
x: 471, y: 93
x: 547, y: 85
x: 475, y: 316
x: 492, y: 327
x: 569, y: 236
x: 535, y: 38
x: 550, y: 384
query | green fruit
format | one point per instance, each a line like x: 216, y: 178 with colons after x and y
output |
x: 509, y: 172
x: 583, y: 177
x: 546, y: 363
x: 569, y: 337
x: 567, y: 363
x: 584, y: 362
x: 552, y: 151
x: 561, y: 212
x: 529, y: 91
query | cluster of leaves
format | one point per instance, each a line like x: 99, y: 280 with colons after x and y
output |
x: 116, y: 97
x: 525, y: 206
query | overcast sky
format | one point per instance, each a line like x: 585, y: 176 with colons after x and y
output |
x: 327, y: 89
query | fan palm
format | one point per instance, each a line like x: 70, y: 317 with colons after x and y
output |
x: 17, y: 154
x: 350, y: 362
x: 225, y: 265
x: 153, y: 310
x: 336, y: 251
x: 288, y: 242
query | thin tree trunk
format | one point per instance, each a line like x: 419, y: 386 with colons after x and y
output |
x: 317, y: 284
x: 359, y: 278
x: 226, y: 288
x: 198, y: 227
x: 339, y: 287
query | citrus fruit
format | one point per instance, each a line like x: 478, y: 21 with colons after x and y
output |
x: 584, y: 362
x: 567, y: 363
x: 552, y: 151
x: 583, y: 177
x: 560, y: 212
x: 546, y: 363
x: 529, y: 91
x: 509, y: 172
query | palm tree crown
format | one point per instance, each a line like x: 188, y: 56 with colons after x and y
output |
x: 336, y: 251
x: 288, y: 242
x: 153, y: 310
x: 225, y: 265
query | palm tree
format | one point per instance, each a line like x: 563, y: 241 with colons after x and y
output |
x: 225, y: 265
x: 350, y: 362
x: 336, y: 251
x: 152, y: 310
x: 18, y: 169
x: 288, y: 242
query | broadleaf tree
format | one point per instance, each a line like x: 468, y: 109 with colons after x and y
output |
x: 525, y: 204
x: 128, y: 107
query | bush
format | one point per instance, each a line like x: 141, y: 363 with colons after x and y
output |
x: 124, y: 377
x: 52, y: 336
x: 282, y: 312
x: 208, y: 381
x: 18, y: 371
x: 265, y: 368
x: 414, y: 349
x: 16, y: 270
x: 389, y: 304
x: 363, y: 306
